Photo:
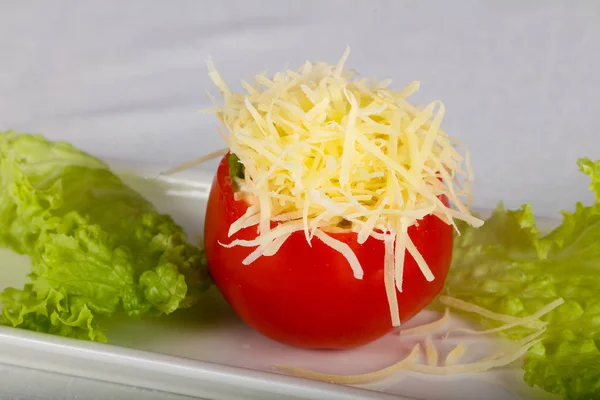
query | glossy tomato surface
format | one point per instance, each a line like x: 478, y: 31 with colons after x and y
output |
x: 307, y: 296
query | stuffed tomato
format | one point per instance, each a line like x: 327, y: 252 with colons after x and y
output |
x: 330, y: 220
x: 305, y: 294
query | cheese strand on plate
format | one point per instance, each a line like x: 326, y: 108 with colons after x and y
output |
x: 452, y: 364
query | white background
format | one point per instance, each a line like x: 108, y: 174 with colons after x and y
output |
x: 520, y: 79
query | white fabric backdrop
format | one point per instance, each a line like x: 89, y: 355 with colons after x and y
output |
x: 127, y: 78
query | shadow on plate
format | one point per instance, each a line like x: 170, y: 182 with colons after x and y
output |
x: 210, y: 314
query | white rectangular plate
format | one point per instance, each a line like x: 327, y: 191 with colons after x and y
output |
x: 208, y: 352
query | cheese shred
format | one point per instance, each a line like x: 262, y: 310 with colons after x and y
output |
x: 455, y: 355
x: 353, y: 379
x: 432, y: 326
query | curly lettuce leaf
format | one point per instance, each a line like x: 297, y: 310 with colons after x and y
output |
x: 508, y: 267
x: 96, y: 246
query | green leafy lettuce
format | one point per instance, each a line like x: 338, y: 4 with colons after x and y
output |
x: 96, y: 246
x: 508, y: 267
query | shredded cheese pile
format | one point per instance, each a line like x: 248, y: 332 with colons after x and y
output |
x: 324, y: 149
x: 452, y: 362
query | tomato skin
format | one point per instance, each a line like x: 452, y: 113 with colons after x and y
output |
x: 307, y: 296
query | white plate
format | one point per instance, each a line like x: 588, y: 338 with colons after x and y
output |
x: 208, y: 352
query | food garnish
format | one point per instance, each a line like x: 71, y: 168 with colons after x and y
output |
x: 346, y: 164
x: 96, y: 246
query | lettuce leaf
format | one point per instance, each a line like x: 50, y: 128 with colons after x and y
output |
x: 508, y: 267
x: 96, y: 246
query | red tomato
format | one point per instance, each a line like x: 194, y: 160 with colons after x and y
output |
x: 307, y: 296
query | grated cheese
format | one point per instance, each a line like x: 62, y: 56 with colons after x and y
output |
x: 431, y: 353
x: 455, y: 355
x: 499, y: 358
x: 432, y: 326
x: 518, y: 344
x: 197, y: 161
x: 478, y: 366
x: 516, y: 323
x: 320, y: 145
x: 353, y: 379
x: 472, y: 308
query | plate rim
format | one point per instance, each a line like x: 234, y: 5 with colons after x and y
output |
x: 40, y: 351
x: 55, y: 353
